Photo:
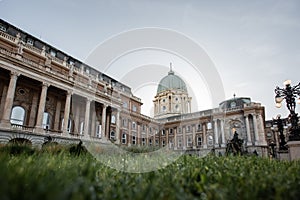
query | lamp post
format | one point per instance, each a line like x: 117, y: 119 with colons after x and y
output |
x: 279, y: 124
x: 290, y: 93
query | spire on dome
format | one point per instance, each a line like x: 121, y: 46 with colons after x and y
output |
x: 171, y: 70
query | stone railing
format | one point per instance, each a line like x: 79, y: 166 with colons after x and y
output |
x: 22, y: 128
x: 32, y: 48
x: 7, y: 36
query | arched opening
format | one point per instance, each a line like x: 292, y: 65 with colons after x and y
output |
x: 112, y: 135
x: 20, y: 141
x: 17, y: 115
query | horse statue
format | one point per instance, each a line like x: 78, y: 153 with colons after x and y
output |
x: 234, y: 146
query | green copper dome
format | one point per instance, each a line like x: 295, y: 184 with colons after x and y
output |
x: 171, y: 81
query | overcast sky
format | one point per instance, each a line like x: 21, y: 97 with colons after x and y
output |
x: 254, y: 45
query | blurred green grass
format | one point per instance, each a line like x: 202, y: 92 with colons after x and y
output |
x: 54, y: 173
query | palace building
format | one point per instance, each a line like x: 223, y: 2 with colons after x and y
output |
x: 46, y: 92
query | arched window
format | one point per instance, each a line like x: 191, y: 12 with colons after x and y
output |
x: 17, y: 115
x: 124, y: 141
x: 46, y: 120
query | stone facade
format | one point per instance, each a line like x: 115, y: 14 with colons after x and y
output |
x: 44, y: 91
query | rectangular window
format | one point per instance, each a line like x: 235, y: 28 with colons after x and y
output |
x: 150, y: 142
x: 188, y: 129
x: 189, y: 141
x: 98, y: 131
x: 133, y: 125
x: 156, y: 142
x: 2, y: 28
x: 199, y: 128
x: 171, y: 144
x: 143, y: 141
x: 53, y: 53
x: 124, y: 123
x: 124, y: 138
x: 179, y: 142
x: 133, y: 108
x: 163, y: 132
x: 179, y: 130
x: 163, y: 143
x: 199, y: 141
x: 133, y: 140
x: 29, y: 41
x: 171, y: 131
x: 209, y: 126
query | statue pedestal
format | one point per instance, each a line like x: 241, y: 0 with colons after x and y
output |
x: 294, y: 150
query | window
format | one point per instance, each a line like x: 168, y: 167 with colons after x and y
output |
x: 171, y: 131
x: 209, y: 126
x: 17, y: 115
x: 133, y: 108
x: 134, y: 140
x: 179, y: 130
x: 143, y: 141
x: 144, y: 127
x: 189, y: 141
x: 98, y: 131
x: 188, y: 129
x: 53, y: 53
x: 179, y: 142
x: 29, y: 41
x: 113, y: 119
x: 112, y: 135
x: 150, y: 130
x: 199, y: 128
x: 210, y: 140
x: 156, y: 142
x: 163, y: 132
x: 199, y: 141
x: 163, y: 143
x: 125, y: 105
x: 124, y: 138
x: 81, y: 131
x: 124, y: 123
x: 69, y: 125
x: 2, y: 28
x: 171, y: 144
x: 46, y: 121
x: 133, y: 125
x: 150, y: 142
x: 164, y: 108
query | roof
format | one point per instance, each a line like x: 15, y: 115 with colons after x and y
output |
x: 171, y: 81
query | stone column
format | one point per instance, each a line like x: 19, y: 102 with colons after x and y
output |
x: 57, y: 115
x: 194, y: 137
x: 249, y: 142
x: 256, y: 137
x: 261, y: 131
x: 184, y: 138
x: 67, y: 113
x: 4, y: 94
x: 103, y: 124
x: 76, y: 120
x: 216, y: 133
x: 5, y: 121
x: 41, y: 109
x: 87, y: 117
x: 175, y: 138
x: 33, y: 110
x: 204, y: 135
x: 93, y: 125
x: 223, y: 134
x: 118, y: 127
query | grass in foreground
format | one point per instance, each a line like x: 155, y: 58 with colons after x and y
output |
x: 56, y: 174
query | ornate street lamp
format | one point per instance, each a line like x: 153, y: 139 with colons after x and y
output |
x: 290, y: 93
x: 279, y: 125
